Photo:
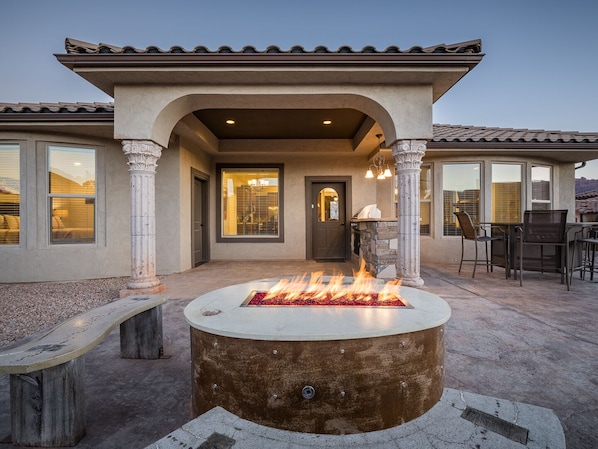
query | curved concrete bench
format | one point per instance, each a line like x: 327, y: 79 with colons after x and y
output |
x: 47, y: 373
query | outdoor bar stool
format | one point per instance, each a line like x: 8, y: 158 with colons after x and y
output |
x: 477, y: 234
x: 544, y: 228
x: 587, y: 243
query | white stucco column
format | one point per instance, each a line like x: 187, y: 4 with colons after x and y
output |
x: 408, y: 156
x: 143, y: 156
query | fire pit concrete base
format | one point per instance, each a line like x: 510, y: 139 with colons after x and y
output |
x: 323, y: 370
x: 443, y: 426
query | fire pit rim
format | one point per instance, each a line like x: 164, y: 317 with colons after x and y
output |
x: 220, y: 312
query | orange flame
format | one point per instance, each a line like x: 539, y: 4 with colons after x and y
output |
x: 363, y: 288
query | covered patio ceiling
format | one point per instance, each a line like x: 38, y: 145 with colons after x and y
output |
x: 284, y: 130
x: 282, y: 123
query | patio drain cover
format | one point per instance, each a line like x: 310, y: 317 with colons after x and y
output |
x: 496, y: 425
x: 217, y: 441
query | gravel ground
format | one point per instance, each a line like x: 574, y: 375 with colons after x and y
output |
x: 26, y: 309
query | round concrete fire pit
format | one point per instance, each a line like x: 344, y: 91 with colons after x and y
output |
x: 332, y: 370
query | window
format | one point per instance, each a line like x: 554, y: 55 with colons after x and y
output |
x: 328, y: 209
x: 506, y: 193
x: 461, y: 192
x: 72, y: 194
x: 10, y: 194
x: 425, y: 199
x: 541, y: 188
x: 250, y: 203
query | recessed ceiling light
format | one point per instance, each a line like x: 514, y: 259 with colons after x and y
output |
x: 327, y: 122
x: 230, y: 121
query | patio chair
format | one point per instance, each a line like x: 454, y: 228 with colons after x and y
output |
x: 544, y: 228
x: 586, y: 240
x: 477, y: 234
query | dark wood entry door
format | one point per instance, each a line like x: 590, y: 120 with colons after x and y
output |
x: 199, y: 215
x: 329, y: 228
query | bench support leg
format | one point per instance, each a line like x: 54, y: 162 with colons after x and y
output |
x: 48, y: 406
x: 141, y: 335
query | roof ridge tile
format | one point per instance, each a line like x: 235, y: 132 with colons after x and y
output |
x: 56, y: 108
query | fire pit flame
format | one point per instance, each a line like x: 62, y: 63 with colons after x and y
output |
x: 315, y: 290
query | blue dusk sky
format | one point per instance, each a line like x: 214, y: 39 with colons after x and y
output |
x: 540, y: 70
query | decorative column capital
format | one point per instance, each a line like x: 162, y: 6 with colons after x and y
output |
x: 408, y: 154
x: 143, y: 154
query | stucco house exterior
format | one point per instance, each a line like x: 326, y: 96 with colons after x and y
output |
x: 248, y: 155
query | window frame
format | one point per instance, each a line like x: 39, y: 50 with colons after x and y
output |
x: 22, y: 192
x: 481, y: 192
x: 491, y: 186
x: 220, y: 237
x: 550, y: 201
x: 429, y: 201
x: 93, y: 198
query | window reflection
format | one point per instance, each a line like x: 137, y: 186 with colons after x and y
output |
x: 461, y: 192
x: 328, y: 205
x: 541, y: 188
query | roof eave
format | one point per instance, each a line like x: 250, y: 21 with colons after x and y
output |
x: 108, y: 70
x: 149, y: 60
x: 42, y: 117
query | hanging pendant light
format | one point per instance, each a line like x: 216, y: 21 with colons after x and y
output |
x: 379, y: 168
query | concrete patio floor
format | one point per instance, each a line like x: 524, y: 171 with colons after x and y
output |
x: 536, y: 345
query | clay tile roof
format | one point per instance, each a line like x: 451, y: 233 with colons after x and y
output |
x: 455, y: 134
x: 592, y: 194
x: 587, y: 202
x: 74, y: 46
x: 57, y: 113
x: 56, y: 108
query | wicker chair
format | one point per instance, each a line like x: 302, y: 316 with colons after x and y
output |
x: 477, y: 234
